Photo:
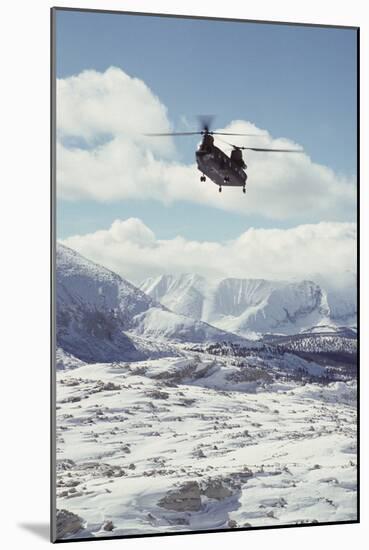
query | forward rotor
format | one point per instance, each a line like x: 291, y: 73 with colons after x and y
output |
x: 205, y: 124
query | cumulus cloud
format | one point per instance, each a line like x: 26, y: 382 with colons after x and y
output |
x: 103, y: 155
x: 324, y: 252
x: 112, y: 105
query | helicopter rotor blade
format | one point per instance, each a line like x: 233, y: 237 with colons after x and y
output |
x: 261, y: 149
x: 265, y: 150
x: 230, y: 134
x: 202, y: 133
x: 175, y: 134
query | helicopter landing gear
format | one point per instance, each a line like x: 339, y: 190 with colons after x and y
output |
x: 220, y: 188
x: 244, y: 189
x: 202, y: 178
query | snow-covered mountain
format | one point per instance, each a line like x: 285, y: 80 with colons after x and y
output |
x: 98, y: 313
x: 253, y: 306
x: 92, y: 309
x: 187, y: 440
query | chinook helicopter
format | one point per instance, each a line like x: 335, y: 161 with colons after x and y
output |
x: 212, y: 162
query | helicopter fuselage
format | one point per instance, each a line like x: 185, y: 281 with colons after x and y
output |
x: 218, y: 167
x: 223, y: 170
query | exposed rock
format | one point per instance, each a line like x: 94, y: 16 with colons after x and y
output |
x: 71, y: 399
x: 186, y: 498
x: 64, y: 464
x: 108, y: 526
x: 157, y: 394
x: 67, y: 524
x: 215, y: 489
x: 71, y: 483
x: 232, y: 524
x: 101, y: 386
x: 101, y: 469
x: 245, y: 474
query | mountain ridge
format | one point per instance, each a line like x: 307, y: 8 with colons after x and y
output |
x: 253, y: 306
x: 99, y: 312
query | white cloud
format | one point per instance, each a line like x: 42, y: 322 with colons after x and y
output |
x: 95, y: 105
x: 321, y: 252
x: 111, y: 111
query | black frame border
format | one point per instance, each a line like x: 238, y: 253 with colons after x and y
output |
x: 53, y: 12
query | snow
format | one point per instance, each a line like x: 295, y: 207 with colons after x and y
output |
x: 99, y: 314
x: 286, y: 455
x: 252, y: 307
x: 166, y: 423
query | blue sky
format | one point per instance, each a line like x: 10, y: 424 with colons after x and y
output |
x: 296, y: 82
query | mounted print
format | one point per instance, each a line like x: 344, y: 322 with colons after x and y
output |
x: 204, y: 296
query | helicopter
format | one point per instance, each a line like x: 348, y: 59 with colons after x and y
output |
x: 212, y: 162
